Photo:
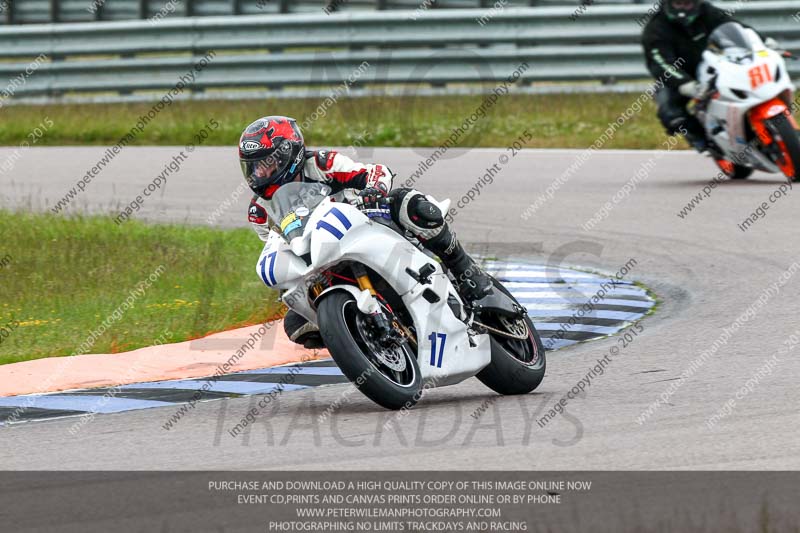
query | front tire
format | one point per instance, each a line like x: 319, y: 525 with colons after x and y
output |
x: 789, y: 143
x: 346, y: 334
x: 517, y: 367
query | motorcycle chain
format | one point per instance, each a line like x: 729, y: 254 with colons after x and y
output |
x: 505, y: 333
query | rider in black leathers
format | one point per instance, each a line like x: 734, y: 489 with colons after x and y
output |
x: 674, y: 40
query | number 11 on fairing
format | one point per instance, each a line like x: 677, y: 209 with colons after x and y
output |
x: 433, y: 338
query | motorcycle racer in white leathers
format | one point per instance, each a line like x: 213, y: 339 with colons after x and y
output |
x: 272, y: 153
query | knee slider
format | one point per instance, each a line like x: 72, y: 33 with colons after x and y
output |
x: 425, y: 214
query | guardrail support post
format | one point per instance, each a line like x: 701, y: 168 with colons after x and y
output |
x: 189, y: 8
x: 9, y: 11
x: 55, y: 10
x: 143, y: 9
x: 283, y: 6
x: 236, y: 7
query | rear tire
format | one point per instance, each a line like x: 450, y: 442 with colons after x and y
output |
x: 347, y: 341
x: 508, y: 373
x: 790, y: 142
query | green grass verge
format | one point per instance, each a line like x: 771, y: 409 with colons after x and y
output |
x: 556, y: 121
x: 60, y: 279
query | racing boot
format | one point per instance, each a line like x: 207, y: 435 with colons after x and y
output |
x: 692, y: 130
x: 698, y: 142
x: 471, y: 282
x: 301, y: 331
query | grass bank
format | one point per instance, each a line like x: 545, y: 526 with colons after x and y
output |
x: 556, y: 121
x: 62, y: 280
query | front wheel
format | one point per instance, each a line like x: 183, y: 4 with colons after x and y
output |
x: 787, y: 154
x: 518, y: 365
x: 389, y: 377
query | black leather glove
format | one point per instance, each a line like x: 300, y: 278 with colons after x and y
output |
x: 371, y: 197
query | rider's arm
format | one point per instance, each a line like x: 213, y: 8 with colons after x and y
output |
x: 340, y: 171
x: 663, y: 61
x: 257, y: 216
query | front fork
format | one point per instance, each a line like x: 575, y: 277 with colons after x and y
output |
x: 387, y: 335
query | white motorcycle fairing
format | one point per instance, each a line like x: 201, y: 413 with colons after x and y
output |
x: 448, y: 352
x: 743, y: 79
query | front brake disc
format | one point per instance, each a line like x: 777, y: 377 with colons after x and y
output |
x: 393, y: 358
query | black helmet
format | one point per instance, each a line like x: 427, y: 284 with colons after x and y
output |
x: 682, y: 11
x: 271, y: 152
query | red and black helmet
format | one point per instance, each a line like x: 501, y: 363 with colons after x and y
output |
x: 271, y: 152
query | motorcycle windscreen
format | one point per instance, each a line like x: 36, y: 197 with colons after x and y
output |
x: 733, y: 39
x: 292, y: 204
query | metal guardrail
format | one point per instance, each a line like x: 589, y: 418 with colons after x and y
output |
x: 44, y: 11
x: 271, y: 52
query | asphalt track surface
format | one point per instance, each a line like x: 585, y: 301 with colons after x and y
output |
x: 704, y: 268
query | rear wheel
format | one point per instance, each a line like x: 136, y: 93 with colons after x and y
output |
x: 518, y: 364
x: 389, y: 377
x: 787, y: 155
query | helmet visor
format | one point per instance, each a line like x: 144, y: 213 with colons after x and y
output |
x: 270, y: 170
x: 683, y: 9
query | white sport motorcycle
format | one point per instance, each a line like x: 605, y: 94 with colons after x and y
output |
x: 388, y: 313
x: 747, y: 110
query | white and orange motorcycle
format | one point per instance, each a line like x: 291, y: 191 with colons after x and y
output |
x: 747, y: 110
x: 389, y: 314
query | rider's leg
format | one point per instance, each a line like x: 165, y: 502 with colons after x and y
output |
x: 676, y: 119
x: 301, y: 331
x: 416, y: 214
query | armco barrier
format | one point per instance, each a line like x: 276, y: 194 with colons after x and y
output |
x: 43, y: 11
x: 286, y: 51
